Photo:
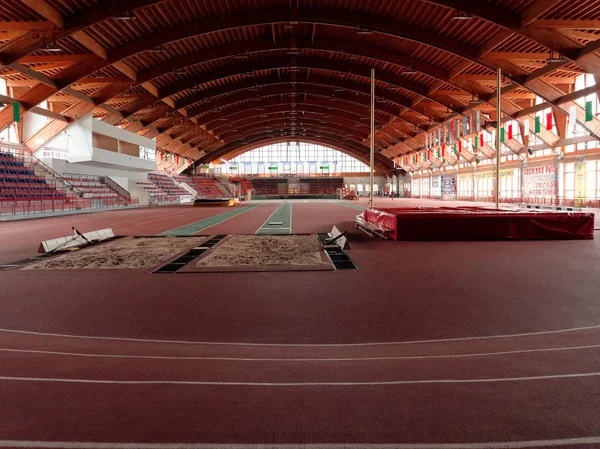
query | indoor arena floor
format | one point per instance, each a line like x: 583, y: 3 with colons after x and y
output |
x: 441, y: 345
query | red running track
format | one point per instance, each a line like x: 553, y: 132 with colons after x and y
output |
x: 335, y: 357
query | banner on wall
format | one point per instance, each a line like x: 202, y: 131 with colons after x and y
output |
x: 491, y: 174
x: 540, y: 181
x: 580, y: 180
x: 449, y: 185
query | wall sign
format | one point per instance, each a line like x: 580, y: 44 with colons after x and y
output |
x: 540, y: 181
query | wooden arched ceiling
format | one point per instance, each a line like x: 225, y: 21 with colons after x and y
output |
x: 192, y: 73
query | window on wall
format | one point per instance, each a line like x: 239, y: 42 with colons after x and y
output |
x: 305, y: 159
x: 592, y: 180
x: 569, y: 181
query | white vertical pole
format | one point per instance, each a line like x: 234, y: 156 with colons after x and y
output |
x: 372, y: 165
x: 498, y: 127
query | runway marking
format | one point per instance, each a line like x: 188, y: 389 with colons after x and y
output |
x: 281, y: 215
x: 482, y: 445
x: 301, y: 384
x: 194, y: 228
x: 297, y: 345
x: 259, y: 359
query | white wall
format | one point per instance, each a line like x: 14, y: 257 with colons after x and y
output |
x: 126, y: 136
x: 32, y: 123
x: 87, y: 169
x: 76, y: 139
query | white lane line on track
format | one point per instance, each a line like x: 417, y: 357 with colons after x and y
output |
x: 299, y: 345
x: 483, y: 445
x: 227, y: 219
x: 267, y: 220
x: 301, y: 384
x: 259, y: 359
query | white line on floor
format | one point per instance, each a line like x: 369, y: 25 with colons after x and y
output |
x: 301, y: 384
x: 298, y: 345
x: 483, y: 445
x: 259, y: 359
x: 266, y: 223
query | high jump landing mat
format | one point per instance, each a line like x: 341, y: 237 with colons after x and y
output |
x: 476, y: 223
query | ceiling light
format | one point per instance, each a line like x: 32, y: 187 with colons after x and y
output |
x: 179, y: 72
x: 126, y: 16
x: 558, y: 59
x: 409, y: 71
x: 242, y: 56
x: 52, y: 47
x: 462, y: 16
x: 364, y: 32
x: 475, y: 100
x: 294, y: 52
x: 159, y: 49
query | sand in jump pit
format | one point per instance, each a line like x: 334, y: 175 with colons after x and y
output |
x: 123, y: 253
x: 264, y: 250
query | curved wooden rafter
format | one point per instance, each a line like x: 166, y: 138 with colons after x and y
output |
x: 516, y: 24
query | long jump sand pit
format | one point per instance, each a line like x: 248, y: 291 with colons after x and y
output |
x: 263, y: 253
x: 128, y: 252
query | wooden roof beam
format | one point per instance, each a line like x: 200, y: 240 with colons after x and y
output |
x: 43, y: 8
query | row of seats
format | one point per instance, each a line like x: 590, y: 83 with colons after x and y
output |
x: 321, y: 185
x: 156, y: 193
x: 91, y: 186
x: 19, y: 182
x: 270, y: 186
x: 244, y: 183
x: 167, y: 184
x: 207, y: 187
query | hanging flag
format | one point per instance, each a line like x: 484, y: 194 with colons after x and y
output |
x: 572, y: 118
x: 177, y: 159
x: 493, y: 140
x: 470, y: 123
x: 502, y: 135
x: 439, y: 141
x: 455, y: 150
x: 438, y: 152
x: 476, y: 142
x: 478, y: 123
x: 464, y: 126
x: 481, y: 142
x: 451, y: 131
x: 443, y: 150
x: 549, y: 121
x: 16, y: 112
x: 460, y: 146
x: 538, y: 125
x: 427, y: 142
x: 457, y: 128
x: 589, y: 111
x: 526, y: 130
x: 510, y: 131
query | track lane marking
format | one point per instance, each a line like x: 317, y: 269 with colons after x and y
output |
x: 208, y: 222
x: 483, y: 445
x: 262, y: 359
x: 298, y: 345
x: 286, y: 220
x: 302, y: 384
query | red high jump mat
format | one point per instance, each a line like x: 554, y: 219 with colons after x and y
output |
x: 477, y: 223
